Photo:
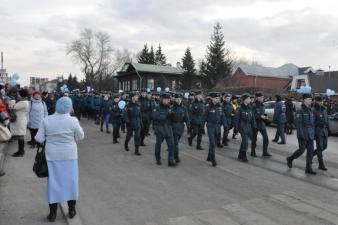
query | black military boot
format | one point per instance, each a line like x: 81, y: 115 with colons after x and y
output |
x: 253, y: 153
x: 199, y: 147
x: 266, y: 153
x: 225, y: 142
x: 219, y: 145
x: 158, y: 162
x: 289, y: 162
x: 21, y: 151
x: 126, y: 147
x: 209, y: 158
x: 242, y: 157
x: 213, y: 162
x: 137, y: 152
x: 115, y: 141
x: 309, y: 170
x: 172, y: 164
x: 108, y: 132
x: 52, y: 212
x: 190, y: 141
x: 71, y: 209
x: 321, y: 165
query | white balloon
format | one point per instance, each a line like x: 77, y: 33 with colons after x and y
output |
x: 122, y: 104
x: 167, y: 89
x: 159, y: 89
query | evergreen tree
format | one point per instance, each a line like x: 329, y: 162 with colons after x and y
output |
x: 218, y: 60
x: 188, y: 65
x: 144, y: 55
x: 160, y: 58
x: 151, y: 56
x: 70, y: 82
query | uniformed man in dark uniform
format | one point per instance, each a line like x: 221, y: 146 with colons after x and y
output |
x: 279, y: 117
x: 227, y: 109
x: 191, y: 99
x: 234, y: 104
x: 163, y: 118
x: 214, y: 118
x: 244, y: 123
x: 197, y: 127
x: 305, y: 133
x: 258, y: 111
x: 321, y: 130
x: 133, y: 119
x: 116, y: 117
x: 123, y: 123
x: 180, y: 116
x: 146, y: 110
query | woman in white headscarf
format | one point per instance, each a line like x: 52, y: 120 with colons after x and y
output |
x: 60, y: 132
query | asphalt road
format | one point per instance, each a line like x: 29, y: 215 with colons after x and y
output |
x: 117, y: 187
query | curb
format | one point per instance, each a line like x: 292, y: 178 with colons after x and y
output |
x: 75, y: 221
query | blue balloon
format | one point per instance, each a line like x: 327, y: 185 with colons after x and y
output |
x: 15, y: 76
x: 304, y: 90
x: 13, y: 82
x: 330, y: 92
x: 122, y: 104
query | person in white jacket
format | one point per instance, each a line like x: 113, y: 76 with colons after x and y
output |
x: 60, y: 132
x: 19, y: 126
x: 37, y: 111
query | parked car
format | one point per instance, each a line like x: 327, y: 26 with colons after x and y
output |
x: 333, y: 123
x: 270, y: 106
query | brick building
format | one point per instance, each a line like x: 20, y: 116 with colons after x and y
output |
x: 253, y: 76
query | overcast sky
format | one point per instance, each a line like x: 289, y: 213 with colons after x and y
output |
x: 34, y: 33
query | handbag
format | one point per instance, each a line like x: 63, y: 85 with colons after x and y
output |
x: 40, y: 167
x: 5, y: 134
x: 12, y: 115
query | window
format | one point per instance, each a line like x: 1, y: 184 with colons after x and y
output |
x: 300, y: 82
x: 134, y: 85
x: 173, y: 85
x: 120, y: 85
x: 150, y: 84
x: 128, y: 85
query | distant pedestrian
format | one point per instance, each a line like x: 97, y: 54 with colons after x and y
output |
x: 290, y: 110
x: 279, y: 117
x: 60, y: 132
x: 18, y: 126
x: 37, y: 112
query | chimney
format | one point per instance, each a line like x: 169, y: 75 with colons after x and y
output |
x: 178, y: 65
x: 2, y: 60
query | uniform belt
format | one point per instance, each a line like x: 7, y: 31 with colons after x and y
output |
x: 308, y: 126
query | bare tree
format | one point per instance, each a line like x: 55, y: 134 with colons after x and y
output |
x: 93, y: 52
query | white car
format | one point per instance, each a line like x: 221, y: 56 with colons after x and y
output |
x: 333, y: 123
x: 270, y: 107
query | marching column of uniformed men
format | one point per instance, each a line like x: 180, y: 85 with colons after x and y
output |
x: 171, y: 112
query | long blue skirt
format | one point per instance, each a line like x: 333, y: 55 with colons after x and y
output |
x: 63, y: 181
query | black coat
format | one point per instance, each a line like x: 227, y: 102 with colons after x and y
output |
x: 290, y: 110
